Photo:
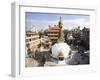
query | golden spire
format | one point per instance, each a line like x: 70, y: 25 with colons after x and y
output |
x: 61, y: 34
x: 60, y: 23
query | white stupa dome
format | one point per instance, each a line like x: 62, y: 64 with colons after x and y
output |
x: 60, y: 48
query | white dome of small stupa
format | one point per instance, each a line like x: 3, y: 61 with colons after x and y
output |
x: 60, y: 48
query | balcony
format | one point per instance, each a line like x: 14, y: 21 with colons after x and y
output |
x: 34, y: 41
x: 37, y: 36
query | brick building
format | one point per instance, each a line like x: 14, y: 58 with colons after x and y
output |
x: 53, y: 32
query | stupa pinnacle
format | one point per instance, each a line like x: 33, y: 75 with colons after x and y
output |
x: 61, y: 34
x: 60, y: 23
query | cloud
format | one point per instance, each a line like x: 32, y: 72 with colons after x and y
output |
x: 76, y: 22
x: 68, y: 23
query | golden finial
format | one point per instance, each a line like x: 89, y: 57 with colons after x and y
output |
x: 60, y: 23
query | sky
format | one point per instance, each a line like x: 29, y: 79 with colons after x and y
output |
x: 42, y: 20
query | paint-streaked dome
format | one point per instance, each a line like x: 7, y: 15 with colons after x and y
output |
x: 60, y: 48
